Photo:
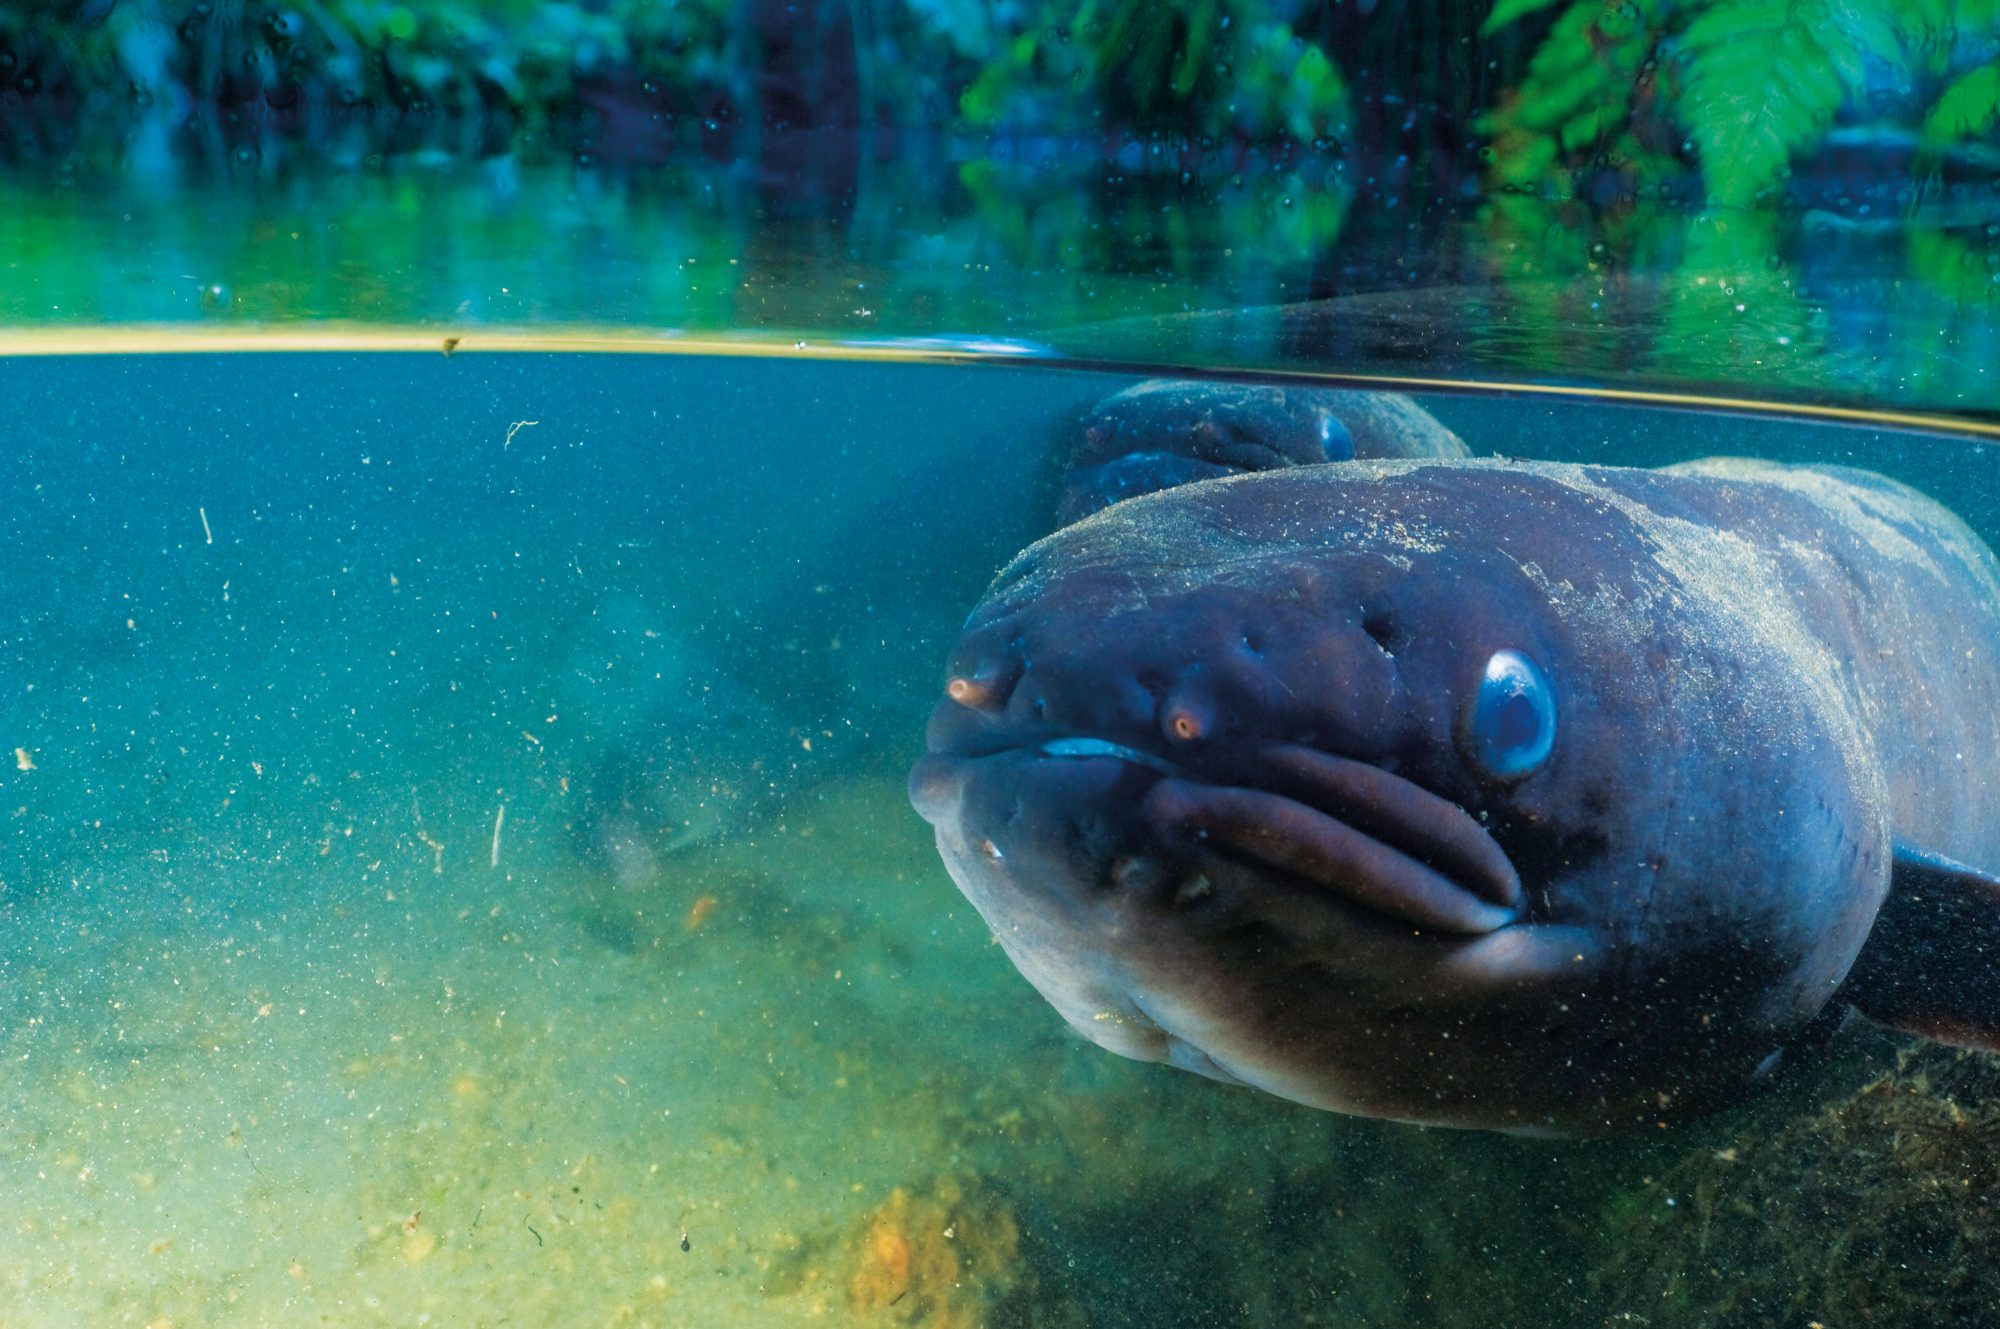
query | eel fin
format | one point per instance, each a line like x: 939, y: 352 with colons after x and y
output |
x: 1931, y: 966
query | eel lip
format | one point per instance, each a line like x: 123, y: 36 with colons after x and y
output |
x: 934, y: 783
x: 1373, y: 838
x: 1099, y: 747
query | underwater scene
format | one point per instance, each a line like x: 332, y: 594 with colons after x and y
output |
x: 461, y: 869
x: 1061, y: 664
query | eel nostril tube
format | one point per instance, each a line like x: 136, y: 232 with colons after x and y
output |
x: 1187, y: 719
x: 983, y: 691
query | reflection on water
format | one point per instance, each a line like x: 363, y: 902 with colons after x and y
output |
x: 458, y: 866
x: 1862, y: 294
x: 919, y: 241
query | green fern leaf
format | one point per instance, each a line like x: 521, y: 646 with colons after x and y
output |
x: 1576, y: 93
x: 1509, y: 11
x: 1764, y: 79
x: 1201, y: 25
x: 1966, y: 109
x: 1934, y: 30
x: 1953, y: 267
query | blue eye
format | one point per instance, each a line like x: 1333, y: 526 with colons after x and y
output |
x: 1513, y: 718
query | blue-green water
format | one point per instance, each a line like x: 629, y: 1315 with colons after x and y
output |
x: 456, y: 870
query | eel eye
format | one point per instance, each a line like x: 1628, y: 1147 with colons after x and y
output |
x: 1335, y: 439
x: 1513, y: 723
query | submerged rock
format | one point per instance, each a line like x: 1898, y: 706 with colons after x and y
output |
x: 943, y: 1255
x: 1882, y: 1209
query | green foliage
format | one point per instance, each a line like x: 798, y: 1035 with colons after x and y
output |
x: 1204, y: 68
x: 1233, y: 69
x: 1575, y: 106
x: 1636, y: 92
x: 1963, y: 267
x: 1161, y: 49
x: 530, y: 60
x: 1764, y: 81
x: 1969, y: 108
x: 1285, y: 83
x: 1744, y: 89
x: 1511, y: 11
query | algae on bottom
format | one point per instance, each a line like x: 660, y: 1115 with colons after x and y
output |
x: 1877, y: 1210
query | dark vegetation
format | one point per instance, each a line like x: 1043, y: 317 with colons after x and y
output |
x: 1588, y: 98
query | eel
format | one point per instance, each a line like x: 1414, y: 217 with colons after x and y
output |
x: 1165, y: 432
x: 1523, y: 796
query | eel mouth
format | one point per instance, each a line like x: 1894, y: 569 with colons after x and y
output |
x: 1363, y: 835
x: 1102, y: 747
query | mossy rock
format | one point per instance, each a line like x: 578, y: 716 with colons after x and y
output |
x: 1878, y: 1210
